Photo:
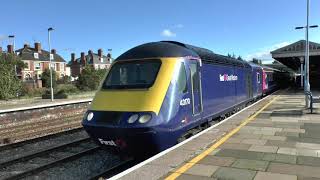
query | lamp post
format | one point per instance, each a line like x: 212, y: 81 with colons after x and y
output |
x: 50, y: 64
x: 306, y: 59
x: 14, y: 51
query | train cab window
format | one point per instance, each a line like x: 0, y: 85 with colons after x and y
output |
x: 182, y: 80
x: 195, y: 77
x: 132, y: 74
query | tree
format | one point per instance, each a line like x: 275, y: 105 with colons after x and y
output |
x: 257, y: 61
x: 89, y: 79
x: 46, y: 78
x: 240, y: 58
x: 10, y: 84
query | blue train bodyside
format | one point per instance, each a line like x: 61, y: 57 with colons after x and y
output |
x: 215, y: 85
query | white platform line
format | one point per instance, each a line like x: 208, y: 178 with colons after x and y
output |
x: 178, y: 145
x: 45, y: 105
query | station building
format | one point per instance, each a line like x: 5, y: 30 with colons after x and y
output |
x: 293, y: 56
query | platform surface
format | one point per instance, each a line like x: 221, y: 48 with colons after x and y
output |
x: 277, y: 138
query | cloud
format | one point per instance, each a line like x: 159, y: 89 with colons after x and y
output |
x: 168, y: 33
x: 3, y: 37
x: 264, y: 53
x: 178, y: 26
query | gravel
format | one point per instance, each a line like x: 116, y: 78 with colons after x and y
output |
x: 83, y: 168
x: 16, y: 152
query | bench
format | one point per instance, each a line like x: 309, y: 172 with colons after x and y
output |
x: 312, y: 100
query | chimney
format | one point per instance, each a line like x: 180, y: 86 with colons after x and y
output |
x: 73, y: 57
x: 26, y: 46
x: 83, y: 58
x: 100, y: 52
x: 90, y: 56
x: 53, y: 51
x: 37, y: 46
x: 10, y: 49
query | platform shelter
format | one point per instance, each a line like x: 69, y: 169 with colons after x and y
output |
x: 293, y: 57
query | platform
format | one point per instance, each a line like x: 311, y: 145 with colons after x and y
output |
x: 276, y: 138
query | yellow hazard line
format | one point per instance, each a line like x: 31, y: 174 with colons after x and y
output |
x: 189, y: 164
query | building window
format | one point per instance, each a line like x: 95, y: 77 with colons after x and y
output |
x: 57, y: 67
x: 37, y: 66
x: 53, y: 66
x: 36, y: 55
x: 61, y: 67
x: 27, y: 65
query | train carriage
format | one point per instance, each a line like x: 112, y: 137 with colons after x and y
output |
x: 156, y: 92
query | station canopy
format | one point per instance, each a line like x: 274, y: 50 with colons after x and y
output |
x: 293, y: 54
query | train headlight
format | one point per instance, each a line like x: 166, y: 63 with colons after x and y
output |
x: 90, y: 116
x: 133, y: 118
x: 144, y: 118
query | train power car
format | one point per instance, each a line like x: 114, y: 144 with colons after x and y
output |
x: 155, y: 93
x: 268, y: 81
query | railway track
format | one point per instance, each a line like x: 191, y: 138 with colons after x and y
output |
x: 44, y: 159
x: 72, y: 154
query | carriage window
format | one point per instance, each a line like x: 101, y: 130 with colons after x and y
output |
x: 132, y: 74
x: 258, y: 78
x: 271, y: 77
x: 182, y: 81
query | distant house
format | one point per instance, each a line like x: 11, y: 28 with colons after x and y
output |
x: 37, y: 60
x: 96, y: 60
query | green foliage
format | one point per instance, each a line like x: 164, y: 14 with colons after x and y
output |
x: 67, y: 88
x: 240, y: 58
x: 64, y: 80
x: 46, y: 78
x: 59, y: 95
x: 257, y: 61
x: 10, y: 84
x: 32, y: 92
x: 89, y: 79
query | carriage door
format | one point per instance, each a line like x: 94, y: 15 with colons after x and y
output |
x: 249, y: 85
x: 195, y: 77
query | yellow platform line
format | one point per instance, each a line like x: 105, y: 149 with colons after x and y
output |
x: 189, y: 164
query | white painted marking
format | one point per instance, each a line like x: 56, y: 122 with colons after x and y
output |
x: 178, y: 145
x: 45, y: 105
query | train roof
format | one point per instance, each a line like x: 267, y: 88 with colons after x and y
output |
x: 255, y: 65
x: 267, y: 68
x: 177, y: 49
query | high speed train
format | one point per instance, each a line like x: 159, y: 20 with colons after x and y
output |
x: 155, y: 93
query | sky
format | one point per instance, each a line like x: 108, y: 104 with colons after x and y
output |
x: 249, y: 28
